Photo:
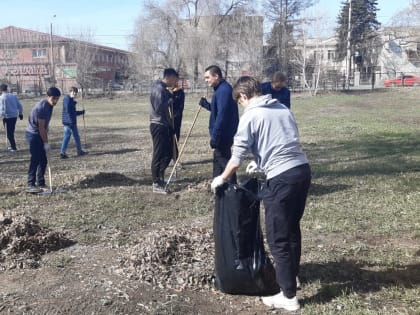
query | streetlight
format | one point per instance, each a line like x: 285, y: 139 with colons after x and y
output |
x: 52, y: 54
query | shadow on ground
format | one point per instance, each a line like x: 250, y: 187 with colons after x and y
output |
x: 338, y: 278
x: 379, y: 154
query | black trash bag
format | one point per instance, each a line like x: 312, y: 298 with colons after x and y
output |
x: 241, y: 263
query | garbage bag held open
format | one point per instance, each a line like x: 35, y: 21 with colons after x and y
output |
x: 241, y: 263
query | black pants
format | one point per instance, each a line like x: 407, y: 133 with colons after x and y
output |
x: 162, y: 151
x: 177, y: 126
x: 221, y: 157
x: 284, y: 200
x: 10, y: 127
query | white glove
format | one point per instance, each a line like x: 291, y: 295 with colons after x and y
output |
x: 252, y: 168
x: 217, y: 182
x: 47, y: 147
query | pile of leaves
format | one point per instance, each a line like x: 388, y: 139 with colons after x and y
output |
x: 23, y: 242
x: 176, y: 258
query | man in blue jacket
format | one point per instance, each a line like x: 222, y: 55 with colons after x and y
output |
x: 224, y: 118
x: 69, y: 118
x: 277, y: 88
x: 10, y: 109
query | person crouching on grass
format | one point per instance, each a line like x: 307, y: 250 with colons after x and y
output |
x: 268, y: 129
x: 37, y: 138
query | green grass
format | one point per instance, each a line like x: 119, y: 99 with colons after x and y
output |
x: 361, y: 228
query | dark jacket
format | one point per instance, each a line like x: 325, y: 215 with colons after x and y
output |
x: 179, y: 101
x: 160, y: 100
x: 224, y: 116
x: 69, y: 113
x: 282, y: 95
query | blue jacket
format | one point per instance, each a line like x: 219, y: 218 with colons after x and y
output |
x: 224, y: 116
x: 282, y: 95
x: 69, y: 113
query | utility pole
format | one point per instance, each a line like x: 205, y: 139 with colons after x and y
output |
x: 348, y: 56
x: 52, y: 55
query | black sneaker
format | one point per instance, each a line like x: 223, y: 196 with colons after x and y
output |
x: 63, y: 156
x: 159, y: 189
x: 81, y: 153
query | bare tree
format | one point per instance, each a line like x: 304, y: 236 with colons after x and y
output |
x: 185, y: 33
x: 81, y: 52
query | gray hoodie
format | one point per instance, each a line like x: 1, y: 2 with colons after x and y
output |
x: 268, y: 129
x: 10, y: 106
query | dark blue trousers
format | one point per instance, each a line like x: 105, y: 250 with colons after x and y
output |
x: 284, y: 200
x: 38, y: 163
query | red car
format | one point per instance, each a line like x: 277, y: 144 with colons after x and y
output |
x: 406, y: 80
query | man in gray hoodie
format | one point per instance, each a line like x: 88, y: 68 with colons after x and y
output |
x: 268, y: 129
x: 10, y: 109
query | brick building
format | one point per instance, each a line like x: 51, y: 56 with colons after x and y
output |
x: 31, y: 61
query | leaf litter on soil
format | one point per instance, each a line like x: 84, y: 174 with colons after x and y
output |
x: 23, y: 241
x: 173, y: 258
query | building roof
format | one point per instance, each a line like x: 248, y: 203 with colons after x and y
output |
x: 12, y: 34
x: 16, y: 35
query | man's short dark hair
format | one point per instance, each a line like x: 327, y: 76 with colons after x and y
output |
x: 279, y: 76
x: 74, y: 89
x: 53, y: 91
x: 214, y: 70
x: 246, y: 85
x: 170, y: 72
x: 3, y: 87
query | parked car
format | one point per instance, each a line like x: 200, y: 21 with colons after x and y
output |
x: 405, y: 80
x: 117, y: 86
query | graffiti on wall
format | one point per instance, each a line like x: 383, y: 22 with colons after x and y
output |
x: 25, y: 70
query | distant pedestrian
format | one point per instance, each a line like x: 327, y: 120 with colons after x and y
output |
x: 223, y: 121
x: 69, y: 119
x: 10, y: 109
x: 277, y: 88
x: 161, y: 128
x: 269, y: 131
x: 37, y: 138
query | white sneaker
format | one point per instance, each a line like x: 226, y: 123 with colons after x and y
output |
x: 280, y: 301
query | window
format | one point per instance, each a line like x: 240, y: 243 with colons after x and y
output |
x: 8, y: 54
x: 331, y: 54
x: 39, y: 53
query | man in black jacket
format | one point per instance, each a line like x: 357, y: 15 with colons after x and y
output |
x: 161, y: 128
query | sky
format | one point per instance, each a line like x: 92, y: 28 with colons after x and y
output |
x: 111, y: 22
